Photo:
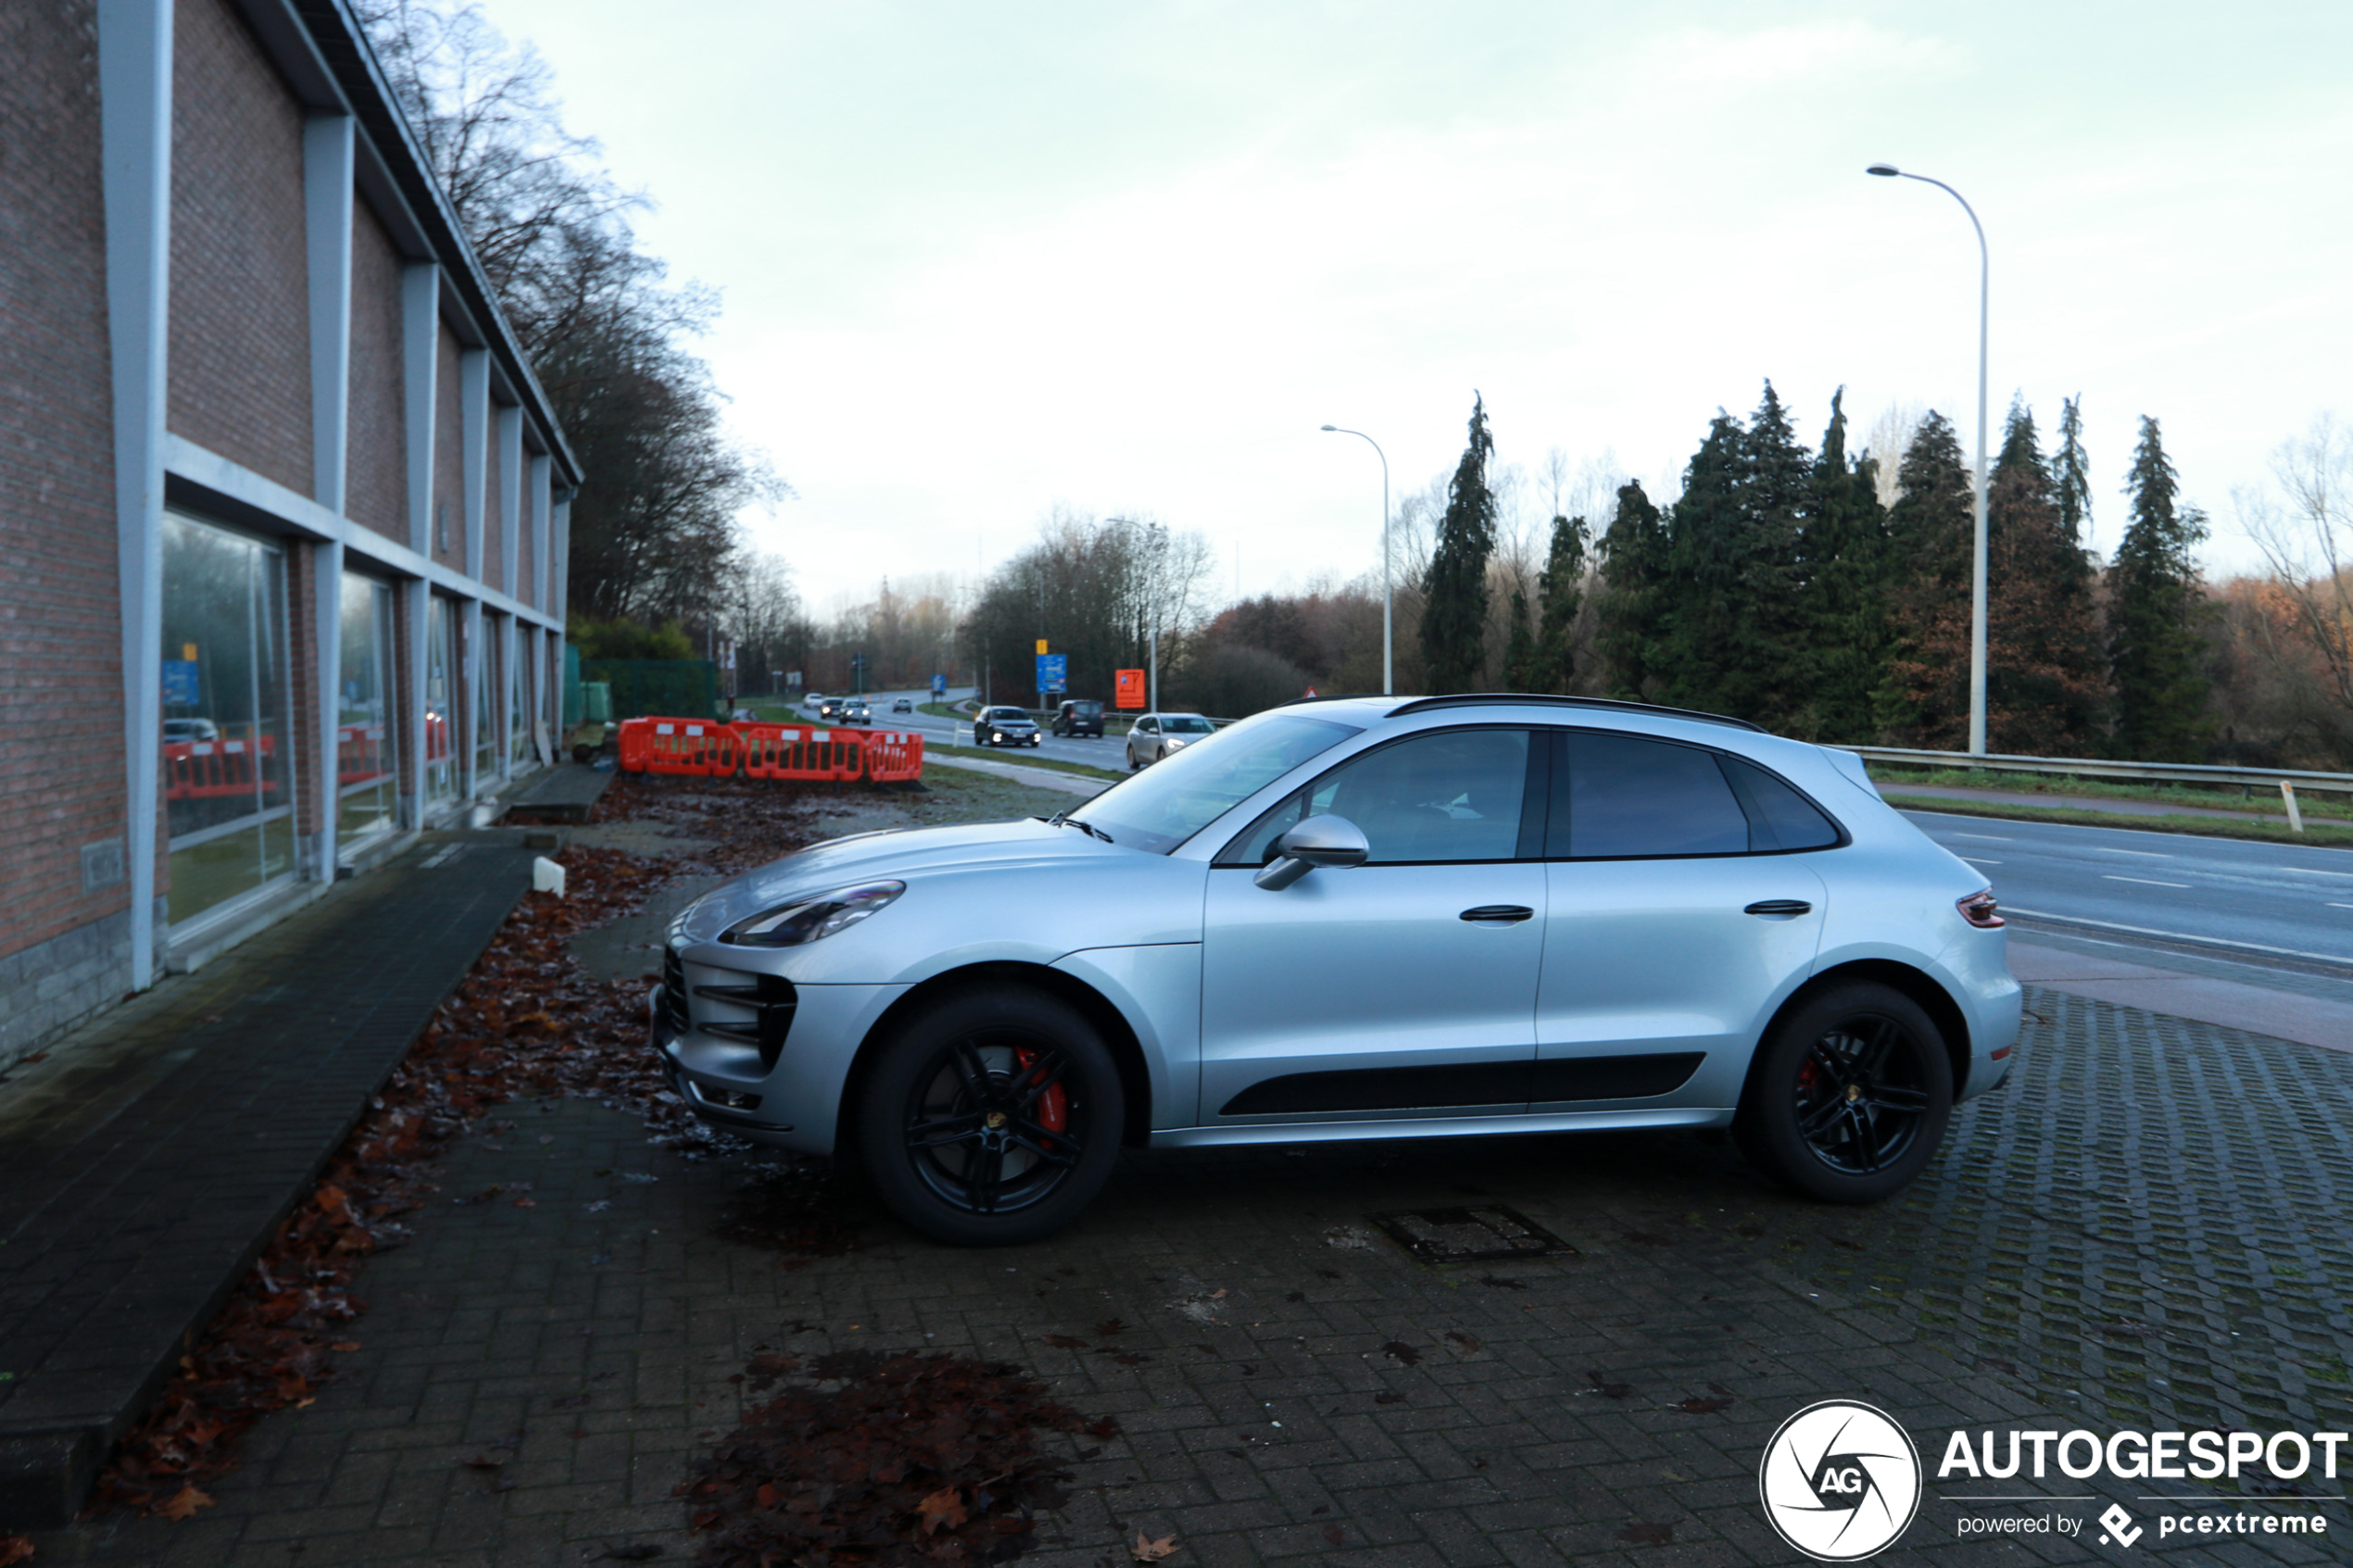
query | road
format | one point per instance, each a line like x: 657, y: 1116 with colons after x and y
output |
x: 1108, y: 752
x: 2254, y: 902
x: 2259, y: 903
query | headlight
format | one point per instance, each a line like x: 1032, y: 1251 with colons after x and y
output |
x: 811, y: 919
x: 1175, y: 742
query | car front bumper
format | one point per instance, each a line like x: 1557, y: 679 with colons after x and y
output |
x: 796, y: 1104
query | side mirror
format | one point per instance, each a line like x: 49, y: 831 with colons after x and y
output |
x: 1318, y: 841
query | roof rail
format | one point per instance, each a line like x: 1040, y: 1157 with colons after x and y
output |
x: 1610, y: 705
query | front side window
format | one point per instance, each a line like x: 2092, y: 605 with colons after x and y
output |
x: 440, y: 700
x: 1445, y: 795
x: 1167, y: 804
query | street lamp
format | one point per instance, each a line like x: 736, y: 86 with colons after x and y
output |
x: 1387, y: 594
x: 1977, y: 571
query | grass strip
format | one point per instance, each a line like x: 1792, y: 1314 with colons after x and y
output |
x: 933, y: 748
x: 2317, y: 834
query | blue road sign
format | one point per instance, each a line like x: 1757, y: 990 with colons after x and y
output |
x: 179, y: 683
x: 1054, y: 673
x: 939, y: 685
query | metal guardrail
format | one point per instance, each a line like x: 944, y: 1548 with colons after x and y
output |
x: 2098, y: 768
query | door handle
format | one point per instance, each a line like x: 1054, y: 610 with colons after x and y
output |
x: 1499, y: 914
x: 1779, y: 908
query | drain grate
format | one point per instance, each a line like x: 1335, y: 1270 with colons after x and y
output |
x: 1489, y: 1232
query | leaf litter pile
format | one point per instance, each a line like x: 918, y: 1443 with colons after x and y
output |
x: 525, y: 1022
x: 892, y: 1460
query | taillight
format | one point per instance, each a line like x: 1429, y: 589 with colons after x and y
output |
x: 1978, y: 908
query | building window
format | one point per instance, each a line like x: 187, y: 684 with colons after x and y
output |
x: 441, y: 769
x: 228, y: 749
x: 519, y: 699
x: 367, y: 738
x: 485, y: 661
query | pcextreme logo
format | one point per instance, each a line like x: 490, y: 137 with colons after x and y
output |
x: 1839, y: 1481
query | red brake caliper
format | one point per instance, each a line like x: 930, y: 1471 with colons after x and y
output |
x: 1054, y: 1106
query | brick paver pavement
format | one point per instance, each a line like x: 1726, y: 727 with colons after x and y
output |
x: 1546, y: 1411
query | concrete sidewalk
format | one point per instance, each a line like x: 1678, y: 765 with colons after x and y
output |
x: 2307, y: 1009
x: 148, y: 1159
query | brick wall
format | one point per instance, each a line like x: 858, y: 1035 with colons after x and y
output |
x: 448, y: 455
x: 240, y: 343
x: 377, y: 492
x: 64, y: 868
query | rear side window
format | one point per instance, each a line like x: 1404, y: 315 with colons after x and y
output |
x: 1629, y: 796
x: 1625, y: 796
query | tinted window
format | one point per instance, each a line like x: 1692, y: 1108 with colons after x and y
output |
x: 1631, y: 796
x: 1781, y: 817
x: 1452, y: 794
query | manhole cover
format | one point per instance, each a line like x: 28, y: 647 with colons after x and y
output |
x: 1487, y: 1233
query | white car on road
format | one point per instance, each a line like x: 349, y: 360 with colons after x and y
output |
x: 1355, y: 919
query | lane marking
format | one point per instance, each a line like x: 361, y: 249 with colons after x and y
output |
x: 2307, y: 870
x: 2341, y: 906
x: 2338, y: 959
x: 1990, y: 837
x: 1977, y: 861
x: 2144, y: 854
x: 2144, y: 881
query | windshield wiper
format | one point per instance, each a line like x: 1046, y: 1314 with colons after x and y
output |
x: 1065, y: 819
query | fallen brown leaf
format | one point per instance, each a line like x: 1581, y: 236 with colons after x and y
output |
x: 943, y: 1509
x: 1397, y: 1351
x: 14, y: 1548
x: 1147, y: 1551
x: 183, y: 1503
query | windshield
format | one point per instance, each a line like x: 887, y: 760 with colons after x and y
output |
x: 1178, y: 796
x: 1186, y: 724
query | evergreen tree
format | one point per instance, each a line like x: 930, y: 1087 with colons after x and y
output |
x: 1455, y: 606
x: 1520, y: 650
x: 1633, y: 633
x: 2074, y: 474
x: 1846, y: 558
x: 2045, y: 680
x: 1923, y: 697
x: 1736, y: 634
x: 2157, y: 605
x: 1563, y: 582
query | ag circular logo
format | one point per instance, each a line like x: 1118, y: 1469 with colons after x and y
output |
x: 1839, y: 1481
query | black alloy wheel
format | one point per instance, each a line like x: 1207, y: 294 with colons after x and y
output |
x: 1850, y: 1095
x: 993, y: 1118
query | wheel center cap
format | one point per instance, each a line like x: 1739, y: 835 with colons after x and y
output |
x: 1854, y: 1093
x: 996, y: 1120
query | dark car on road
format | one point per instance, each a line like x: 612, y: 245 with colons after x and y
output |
x: 831, y: 707
x: 1078, y: 716
x: 1004, y: 726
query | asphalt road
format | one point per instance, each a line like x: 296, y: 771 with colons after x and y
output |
x: 1108, y: 752
x: 2258, y: 903
x: 2254, y: 901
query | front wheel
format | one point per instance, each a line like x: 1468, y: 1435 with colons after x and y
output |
x: 1850, y: 1096
x: 993, y: 1118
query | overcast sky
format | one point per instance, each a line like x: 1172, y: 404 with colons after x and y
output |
x: 981, y: 260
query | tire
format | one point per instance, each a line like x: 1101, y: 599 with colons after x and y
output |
x: 1850, y: 1096
x: 946, y: 1074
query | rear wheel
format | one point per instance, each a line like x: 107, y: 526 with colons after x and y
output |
x: 1851, y: 1095
x: 993, y: 1118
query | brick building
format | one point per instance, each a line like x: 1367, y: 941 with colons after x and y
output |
x: 283, y: 511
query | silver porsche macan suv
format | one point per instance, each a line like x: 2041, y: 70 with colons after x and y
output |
x: 1357, y: 918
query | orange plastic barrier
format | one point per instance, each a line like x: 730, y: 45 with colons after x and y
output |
x: 894, y: 756
x: 209, y: 770
x: 694, y: 748
x: 794, y: 753
x: 360, y: 754
x: 802, y: 752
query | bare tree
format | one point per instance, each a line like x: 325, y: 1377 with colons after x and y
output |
x: 2308, y: 543
x: 1891, y: 437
